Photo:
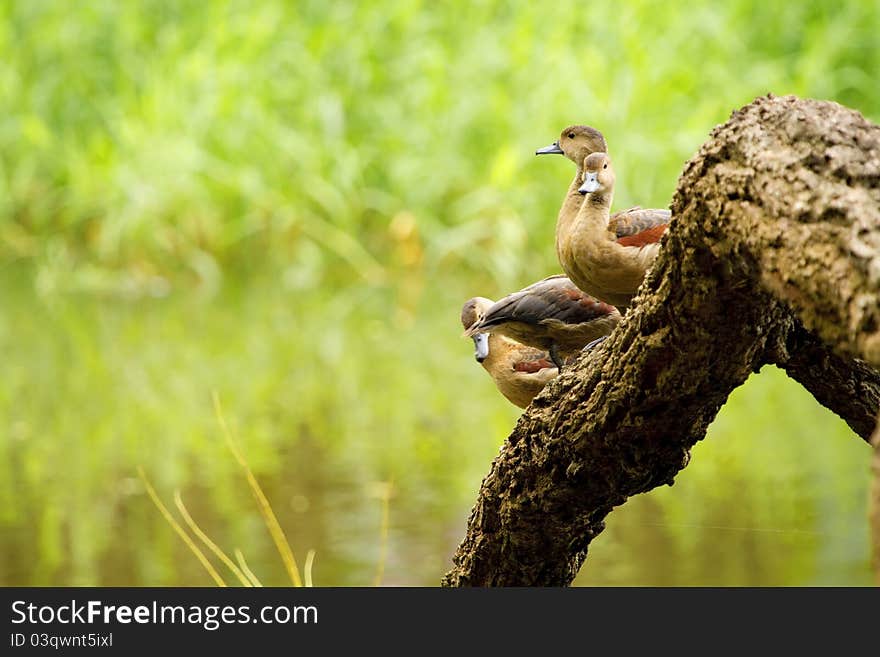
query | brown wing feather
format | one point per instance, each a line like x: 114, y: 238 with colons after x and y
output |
x: 644, y: 238
x: 555, y: 297
x: 636, y: 220
x: 532, y: 366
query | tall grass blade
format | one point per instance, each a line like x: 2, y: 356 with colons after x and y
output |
x: 307, y: 568
x: 272, y: 523
x: 220, y: 554
x: 247, y: 570
x: 180, y: 530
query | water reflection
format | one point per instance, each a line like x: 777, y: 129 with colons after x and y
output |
x: 327, y: 413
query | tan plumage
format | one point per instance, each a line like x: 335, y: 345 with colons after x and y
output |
x: 519, y: 372
x: 577, y: 143
x: 552, y: 314
x: 607, y: 257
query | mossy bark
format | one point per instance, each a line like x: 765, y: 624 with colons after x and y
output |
x: 773, y: 256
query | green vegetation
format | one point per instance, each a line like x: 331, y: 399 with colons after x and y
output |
x: 288, y: 202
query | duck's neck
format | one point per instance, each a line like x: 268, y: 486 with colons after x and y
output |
x: 601, y: 201
x: 592, y: 217
x: 571, y: 204
x: 496, y: 348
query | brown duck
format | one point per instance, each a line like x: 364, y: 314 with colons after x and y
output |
x: 519, y: 372
x: 604, y: 258
x: 576, y: 143
x: 552, y: 314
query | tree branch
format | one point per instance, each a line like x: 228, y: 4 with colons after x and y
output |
x: 767, y: 248
x: 847, y: 386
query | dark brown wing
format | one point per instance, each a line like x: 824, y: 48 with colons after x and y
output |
x: 533, y: 365
x: 644, y: 238
x: 555, y: 297
x: 636, y: 220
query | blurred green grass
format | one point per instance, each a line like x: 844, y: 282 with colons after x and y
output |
x: 288, y: 202
x: 163, y: 139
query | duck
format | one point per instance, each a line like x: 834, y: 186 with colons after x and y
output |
x: 553, y: 315
x: 604, y: 256
x: 519, y: 372
x: 577, y: 142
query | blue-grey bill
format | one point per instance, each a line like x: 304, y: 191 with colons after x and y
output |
x: 481, y: 346
x: 590, y: 185
x: 552, y: 149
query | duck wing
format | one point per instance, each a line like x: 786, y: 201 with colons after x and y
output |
x: 646, y: 237
x: 555, y: 297
x: 533, y: 363
x: 637, y: 220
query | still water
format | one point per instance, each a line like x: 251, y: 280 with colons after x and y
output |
x: 335, y: 404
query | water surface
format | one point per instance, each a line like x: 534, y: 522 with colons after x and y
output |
x: 333, y: 399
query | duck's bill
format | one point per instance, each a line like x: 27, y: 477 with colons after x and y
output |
x: 481, y: 346
x: 590, y: 185
x: 552, y: 149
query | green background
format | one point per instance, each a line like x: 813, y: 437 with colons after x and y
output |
x: 287, y: 203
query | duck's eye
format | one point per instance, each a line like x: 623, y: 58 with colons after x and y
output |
x: 571, y: 135
x: 605, y: 166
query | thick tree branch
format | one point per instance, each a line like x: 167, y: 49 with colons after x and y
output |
x: 847, y: 386
x: 789, y: 191
x: 776, y: 224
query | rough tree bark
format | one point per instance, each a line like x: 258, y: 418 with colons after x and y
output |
x: 773, y: 256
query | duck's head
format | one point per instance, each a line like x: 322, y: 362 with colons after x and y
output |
x: 598, y: 174
x: 576, y: 142
x: 472, y: 312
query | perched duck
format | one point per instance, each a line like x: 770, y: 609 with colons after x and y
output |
x: 552, y: 314
x: 577, y: 142
x: 608, y: 257
x: 519, y: 372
